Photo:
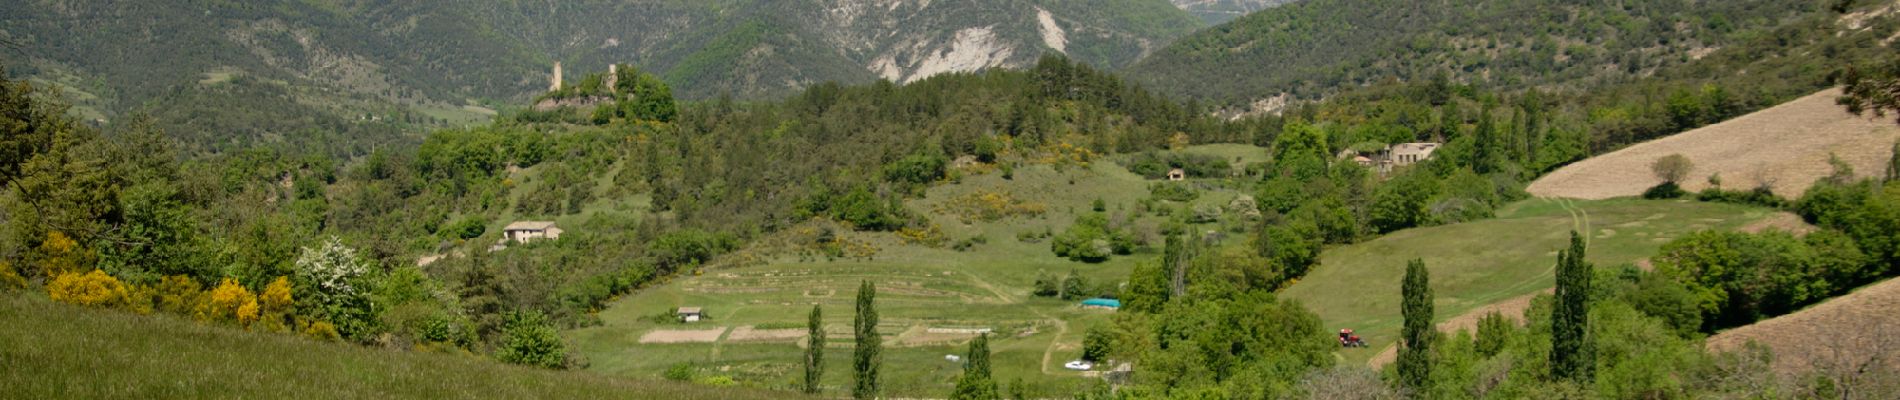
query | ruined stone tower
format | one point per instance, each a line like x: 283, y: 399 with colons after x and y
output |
x: 613, y: 76
x: 557, y: 77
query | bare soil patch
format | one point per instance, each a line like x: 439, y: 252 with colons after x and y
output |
x: 919, y: 335
x: 1785, y: 147
x: 683, y: 335
x: 1847, y: 332
x: 1782, y: 221
x: 749, y: 334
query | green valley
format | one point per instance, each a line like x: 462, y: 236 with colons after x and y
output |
x: 972, y: 200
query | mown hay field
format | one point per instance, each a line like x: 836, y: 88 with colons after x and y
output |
x: 1842, y: 334
x: 1785, y: 147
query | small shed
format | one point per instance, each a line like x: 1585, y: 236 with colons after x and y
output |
x: 526, y: 231
x: 690, y: 314
x: 1102, y: 303
x: 1177, y: 174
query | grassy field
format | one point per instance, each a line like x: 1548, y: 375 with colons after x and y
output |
x: 1491, y: 261
x: 55, y: 351
x: 926, y: 294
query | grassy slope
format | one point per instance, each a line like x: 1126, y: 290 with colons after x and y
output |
x: 1479, y: 263
x: 920, y: 288
x: 55, y: 351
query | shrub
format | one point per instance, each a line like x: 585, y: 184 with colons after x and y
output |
x: 1172, y: 192
x: 915, y: 169
x: 690, y: 246
x: 225, y: 302
x: 10, y: 279
x: 90, y: 289
x: 1760, y: 196
x: 1096, y: 345
x: 528, y: 339
x: 1672, y: 168
x: 1090, y: 239
x: 1666, y: 190
x: 1046, y: 285
x: 468, y: 228
x: 680, y: 372
x: 179, y: 294
x: 334, y: 277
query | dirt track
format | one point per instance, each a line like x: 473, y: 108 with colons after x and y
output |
x: 1845, y: 332
x: 1786, y: 146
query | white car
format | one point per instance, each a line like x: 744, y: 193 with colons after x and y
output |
x: 1079, y: 365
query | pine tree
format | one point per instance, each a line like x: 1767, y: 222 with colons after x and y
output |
x: 1572, y: 356
x: 976, y: 384
x: 1415, y: 362
x: 866, y: 358
x: 815, y: 350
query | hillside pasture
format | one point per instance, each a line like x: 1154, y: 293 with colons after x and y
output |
x: 1494, y: 263
x: 1785, y: 147
x: 56, y: 351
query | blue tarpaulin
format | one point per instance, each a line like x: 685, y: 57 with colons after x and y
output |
x: 1110, y: 303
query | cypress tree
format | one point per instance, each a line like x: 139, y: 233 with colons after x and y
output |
x: 975, y: 384
x: 814, y: 350
x: 1415, y: 357
x: 1571, y: 354
x: 866, y: 358
x: 1893, y: 163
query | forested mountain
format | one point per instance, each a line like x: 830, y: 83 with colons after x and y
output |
x: 1218, y: 11
x: 244, y: 67
x: 1312, y: 49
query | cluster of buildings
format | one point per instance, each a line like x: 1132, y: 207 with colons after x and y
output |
x: 1391, y: 157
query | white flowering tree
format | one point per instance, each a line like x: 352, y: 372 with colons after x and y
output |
x: 335, y: 279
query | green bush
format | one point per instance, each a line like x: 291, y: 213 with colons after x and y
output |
x: 1665, y: 191
x: 1172, y: 191
x: 528, y: 339
x: 1091, y: 240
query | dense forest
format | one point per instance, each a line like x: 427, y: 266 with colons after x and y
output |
x: 1315, y: 49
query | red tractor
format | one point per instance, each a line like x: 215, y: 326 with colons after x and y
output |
x: 1347, y: 339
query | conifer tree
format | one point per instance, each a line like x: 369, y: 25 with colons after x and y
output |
x: 815, y: 350
x: 976, y: 384
x: 866, y: 358
x: 1893, y: 163
x: 1571, y: 354
x: 1415, y: 362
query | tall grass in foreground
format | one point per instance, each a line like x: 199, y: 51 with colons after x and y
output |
x: 57, y: 351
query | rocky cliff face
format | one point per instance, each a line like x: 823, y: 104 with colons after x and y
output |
x: 374, y: 54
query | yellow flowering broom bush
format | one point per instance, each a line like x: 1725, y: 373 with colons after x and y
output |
x: 89, y: 289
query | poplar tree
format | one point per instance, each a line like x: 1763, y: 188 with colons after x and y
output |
x: 866, y: 358
x: 815, y: 350
x: 976, y: 384
x: 1572, y: 357
x: 1415, y: 362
